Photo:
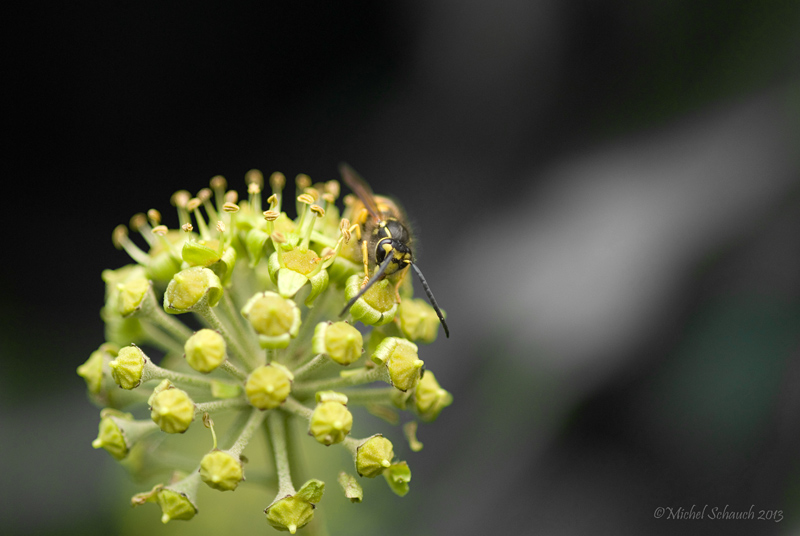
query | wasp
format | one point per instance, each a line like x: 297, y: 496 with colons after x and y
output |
x: 384, y: 239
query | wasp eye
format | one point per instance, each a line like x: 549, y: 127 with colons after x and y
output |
x: 382, y: 249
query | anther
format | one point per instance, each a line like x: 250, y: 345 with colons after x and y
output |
x: 119, y: 236
x: 154, y: 216
x: 303, y: 181
x: 204, y: 194
x: 187, y: 227
x: 160, y: 230
x: 333, y: 188
x: 254, y: 176
x: 318, y: 210
x: 218, y: 182
x: 192, y: 204
x: 180, y: 198
x: 270, y: 215
x: 231, y: 196
x: 305, y: 198
x: 277, y: 181
x: 138, y: 221
x: 253, y: 188
x: 231, y: 208
x: 313, y: 192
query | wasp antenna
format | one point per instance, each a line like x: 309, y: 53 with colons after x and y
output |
x: 431, y: 299
x: 371, y: 282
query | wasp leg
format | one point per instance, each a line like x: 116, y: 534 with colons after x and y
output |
x: 397, y: 286
x: 366, y: 263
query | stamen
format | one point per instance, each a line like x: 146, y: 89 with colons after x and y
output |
x: 221, y: 231
x: 274, y: 202
x: 230, y: 208
x: 333, y: 188
x: 316, y: 209
x: 231, y: 196
x: 218, y: 184
x: 154, y: 216
x: 187, y: 227
x: 194, y: 206
x: 121, y: 240
x: 205, y: 195
x: 271, y: 215
x: 313, y: 192
x: 179, y: 200
x: 255, y: 183
x: 303, y: 181
x: 139, y: 224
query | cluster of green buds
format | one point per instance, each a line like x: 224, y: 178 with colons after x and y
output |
x: 261, y: 292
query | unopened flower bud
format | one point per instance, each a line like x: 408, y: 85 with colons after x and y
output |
x: 172, y: 410
x: 191, y: 286
x: 221, y: 470
x: 417, y: 320
x: 401, y: 359
x: 118, y: 432
x: 398, y: 476
x: 131, y: 295
x: 268, y: 386
x: 374, y: 456
x: 128, y: 366
x: 92, y: 370
x: 205, y: 350
x: 275, y: 319
x: 178, y: 501
x: 429, y: 397
x: 338, y: 340
x: 295, y: 511
x: 330, y: 423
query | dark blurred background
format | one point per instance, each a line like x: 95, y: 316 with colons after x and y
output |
x: 607, y: 197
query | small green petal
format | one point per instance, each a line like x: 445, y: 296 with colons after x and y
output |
x: 429, y: 397
x: 352, y: 489
x: 398, y: 476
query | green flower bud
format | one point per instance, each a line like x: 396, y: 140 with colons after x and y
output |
x: 401, y: 358
x: 178, y: 501
x: 352, y: 489
x: 377, y: 306
x: 191, y: 287
x: 128, y: 367
x: 118, y: 432
x: 275, y: 319
x: 330, y: 423
x: 268, y: 386
x: 373, y: 456
x: 92, y: 370
x: 120, y: 330
x: 172, y: 410
x: 338, y: 340
x: 131, y: 295
x: 289, y: 514
x: 221, y: 470
x: 205, y: 350
x: 417, y: 320
x: 429, y: 398
x: 295, y: 511
x: 398, y: 476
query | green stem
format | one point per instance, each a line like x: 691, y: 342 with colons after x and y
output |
x: 244, y: 332
x: 161, y: 339
x: 369, y: 396
x: 220, y: 405
x: 233, y: 370
x: 153, y: 312
x: 317, y: 362
x: 253, y: 422
x: 277, y: 437
x: 290, y: 405
x: 154, y: 372
x: 303, y: 389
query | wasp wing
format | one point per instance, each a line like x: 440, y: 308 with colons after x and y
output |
x: 362, y: 190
